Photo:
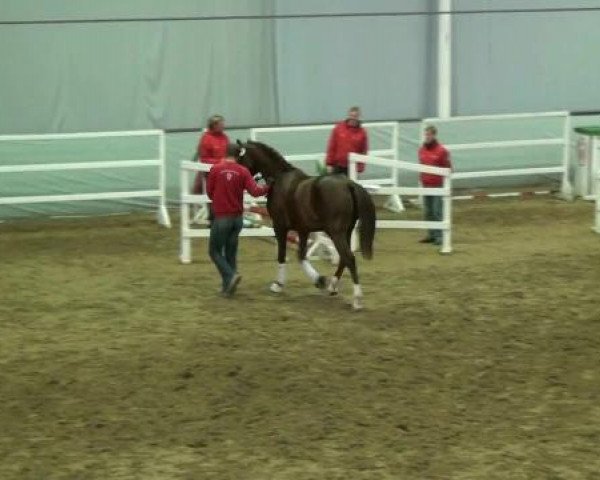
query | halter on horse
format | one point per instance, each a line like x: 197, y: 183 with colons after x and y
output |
x: 305, y: 204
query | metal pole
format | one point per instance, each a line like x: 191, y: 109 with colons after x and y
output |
x: 444, y: 99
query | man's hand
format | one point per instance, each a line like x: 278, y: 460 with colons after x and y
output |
x: 329, y: 169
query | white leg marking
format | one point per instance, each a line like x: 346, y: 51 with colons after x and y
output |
x: 310, y: 271
x: 277, y: 285
x: 333, y: 286
x: 357, y: 300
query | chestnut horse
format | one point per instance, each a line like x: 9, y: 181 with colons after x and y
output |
x: 332, y: 204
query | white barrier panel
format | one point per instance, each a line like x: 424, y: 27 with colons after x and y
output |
x: 445, y: 192
x: 189, y: 169
x: 158, y: 161
x: 560, y: 140
x: 391, y: 151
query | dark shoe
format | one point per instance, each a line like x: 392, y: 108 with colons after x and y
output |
x: 427, y: 240
x: 233, y: 284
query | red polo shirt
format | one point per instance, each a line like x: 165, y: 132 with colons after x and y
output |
x: 434, y: 155
x: 345, y: 140
x: 225, y: 187
x: 212, y: 147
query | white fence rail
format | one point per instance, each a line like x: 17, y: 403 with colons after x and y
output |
x: 563, y: 140
x: 445, y: 225
x: 390, y: 179
x: 158, y: 161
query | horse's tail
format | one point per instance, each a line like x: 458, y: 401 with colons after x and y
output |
x: 365, y: 209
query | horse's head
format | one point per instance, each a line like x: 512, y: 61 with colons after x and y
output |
x: 249, y: 157
x: 260, y: 158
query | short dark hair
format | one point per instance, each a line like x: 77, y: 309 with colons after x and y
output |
x: 232, y: 150
x: 431, y: 129
x: 354, y: 108
x: 213, y: 120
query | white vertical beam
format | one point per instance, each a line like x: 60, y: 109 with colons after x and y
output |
x: 185, y: 251
x: 444, y: 98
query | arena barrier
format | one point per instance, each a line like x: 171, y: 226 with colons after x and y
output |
x: 445, y: 192
x: 383, y: 148
x: 157, y: 161
x: 559, y: 137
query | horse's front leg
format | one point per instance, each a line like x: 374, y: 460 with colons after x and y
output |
x: 318, y: 280
x: 278, y: 284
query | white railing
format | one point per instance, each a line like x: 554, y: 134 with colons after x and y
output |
x: 187, y: 171
x: 562, y: 140
x: 445, y: 225
x: 157, y: 161
x: 391, y: 179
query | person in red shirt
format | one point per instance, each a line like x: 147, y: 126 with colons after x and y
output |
x: 347, y: 137
x: 434, y: 154
x: 211, y: 149
x: 225, y: 186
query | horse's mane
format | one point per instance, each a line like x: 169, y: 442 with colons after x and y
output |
x: 273, y: 154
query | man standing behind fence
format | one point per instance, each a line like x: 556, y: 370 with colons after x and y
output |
x: 433, y: 154
x: 225, y: 186
x: 347, y: 137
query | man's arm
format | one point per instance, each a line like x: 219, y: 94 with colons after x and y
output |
x: 445, y: 160
x: 252, y: 187
x: 210, y: 184
x: 364, y: 148
x: 331, y: 147
x: 205, y: 152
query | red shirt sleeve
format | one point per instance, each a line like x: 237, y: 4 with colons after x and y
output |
x: 364, y: 148
x: 252, y: 187
x: 205, y: 151
x: 210, y: 183
x: 331, y: 147
x: 445, y: 160
x: 365, y: 143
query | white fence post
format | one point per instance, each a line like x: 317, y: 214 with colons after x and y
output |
x: 447, y: 216
x: 394, y: 202
x: 185, y: 253
x: 566, y: 189
x: 163, y: 213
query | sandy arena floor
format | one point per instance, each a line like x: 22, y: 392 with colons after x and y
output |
x: 117, y: 362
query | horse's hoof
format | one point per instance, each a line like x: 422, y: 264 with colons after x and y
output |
x: 321, y: 282
x: 276, y: 287
x: 333, y: 286
x: 357, y: 305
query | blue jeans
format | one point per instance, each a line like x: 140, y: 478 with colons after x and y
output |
x: 223, y: 246
x: 433, y: 213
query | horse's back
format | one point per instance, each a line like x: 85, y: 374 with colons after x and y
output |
x: 325, y: 203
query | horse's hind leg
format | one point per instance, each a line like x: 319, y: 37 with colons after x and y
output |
x: 348, y: 259
x: 278, y: 284
x: 332, y: 288
x: 318, y: 280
